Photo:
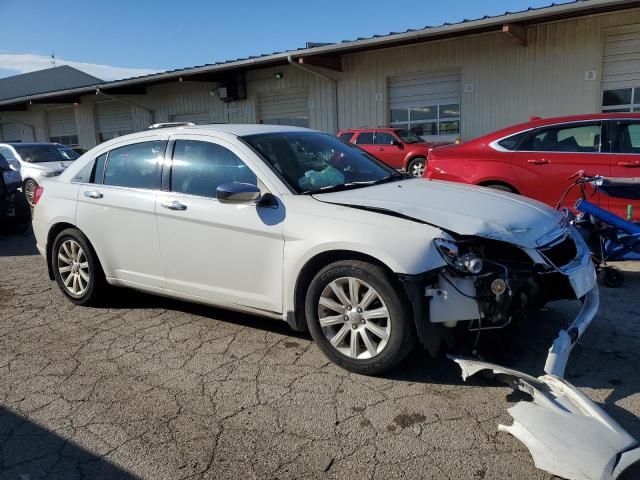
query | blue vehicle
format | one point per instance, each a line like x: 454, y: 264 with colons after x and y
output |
x: 610, y: 237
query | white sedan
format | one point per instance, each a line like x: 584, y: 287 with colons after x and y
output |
x: 35, y: 161
x: 298, y: 225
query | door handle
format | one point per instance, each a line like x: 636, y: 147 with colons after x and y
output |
x: 380, y: 149
x: 629, y: 164
x: 538, y: 161
x: 93, y: 194
x: 173, y: 205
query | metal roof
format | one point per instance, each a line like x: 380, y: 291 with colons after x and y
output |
x: 529, y: 16
x: 55, y: 78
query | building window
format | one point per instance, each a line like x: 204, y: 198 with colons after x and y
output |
x: 621, y: 100
x: 69, y: 140
x: 428, y: 121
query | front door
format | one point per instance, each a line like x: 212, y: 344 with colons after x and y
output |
x: 547, y: 159
x: 226, y: 253
x: 625, y: 162
x: 116, y: 211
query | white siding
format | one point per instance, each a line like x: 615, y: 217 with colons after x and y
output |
x: 114, y: 118
x: 11, y: 132
x: 502, y: 82
x: 199, y: 118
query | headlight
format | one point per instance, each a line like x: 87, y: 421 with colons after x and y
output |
x: 457, y: 258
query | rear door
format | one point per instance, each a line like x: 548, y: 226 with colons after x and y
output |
x: 365, y: 141
x: 625, y: 156
x: 545, y: 160
x: 389, y: 149
x: 116, y: 211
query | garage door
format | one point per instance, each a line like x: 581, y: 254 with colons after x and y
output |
x: 621, y: 70
x: 289, y: 107
x: 200, y: 118
x: 426, y: 102
x: 113, y: 119
x: 61, y: 124
x: 11, y: 132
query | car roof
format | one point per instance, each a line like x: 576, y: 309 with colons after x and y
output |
x: 238, y: 129
x: 368, y: 129
x: 536, y: 122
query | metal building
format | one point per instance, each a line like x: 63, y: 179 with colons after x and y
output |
x: 450, y: 81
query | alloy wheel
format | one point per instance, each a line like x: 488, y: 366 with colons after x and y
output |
x: 354, y: 318
x: 73, y: 267
x: 417, y: 169
x: 30, y: 192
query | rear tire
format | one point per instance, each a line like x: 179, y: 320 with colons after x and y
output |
x: 366, y: 322
x: 76, y: 268
x: 612, y: 277
x: 416, y: 167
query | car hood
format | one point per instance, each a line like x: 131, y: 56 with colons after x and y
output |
x: 458, y: 208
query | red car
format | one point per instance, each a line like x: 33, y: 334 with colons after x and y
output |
x: 537, y: 158
x: 399, y: 148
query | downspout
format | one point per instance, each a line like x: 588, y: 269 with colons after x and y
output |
x: 122, y: 100
x: 324, y: 77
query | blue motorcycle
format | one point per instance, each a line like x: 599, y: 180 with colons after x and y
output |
x: 610, y: 237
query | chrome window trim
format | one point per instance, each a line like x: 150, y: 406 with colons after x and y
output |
x: 499, y: 148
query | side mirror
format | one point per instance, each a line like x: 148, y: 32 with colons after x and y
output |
x: 237, y: 193
x: 398, y: 144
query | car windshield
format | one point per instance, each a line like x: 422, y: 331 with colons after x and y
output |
x: 408, y: 136
x: 45, y: 153
x: 313, y: 162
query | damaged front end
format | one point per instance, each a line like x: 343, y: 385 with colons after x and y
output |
x: 490, y: 282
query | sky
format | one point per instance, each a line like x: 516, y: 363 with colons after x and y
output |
x: 115, y: 39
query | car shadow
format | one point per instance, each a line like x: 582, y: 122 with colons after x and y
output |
x: 524, y: 347
x: 31, y: 451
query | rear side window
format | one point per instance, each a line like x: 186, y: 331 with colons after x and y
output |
x: 346, y: 136
x: 627, y: 138
x: 365, y: 138
x: 578, y: 138
x: 512, y: 142
x: 198, y: 168
x: 384, y: 138
x: 135, y: 166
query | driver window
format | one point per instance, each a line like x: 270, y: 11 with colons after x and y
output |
x: 198, y: 168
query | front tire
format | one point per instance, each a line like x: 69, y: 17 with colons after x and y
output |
x: 76, y: 268
x: 358, y: 317
x: 416, y: 166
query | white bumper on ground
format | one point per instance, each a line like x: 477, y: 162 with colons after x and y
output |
x: 567, y: 434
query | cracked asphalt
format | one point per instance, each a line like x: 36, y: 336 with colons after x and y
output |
x: 154, y: 388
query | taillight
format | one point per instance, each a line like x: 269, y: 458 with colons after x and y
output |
x: 37, y: 194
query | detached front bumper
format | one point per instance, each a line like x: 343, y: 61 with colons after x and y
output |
x: 567, y: 434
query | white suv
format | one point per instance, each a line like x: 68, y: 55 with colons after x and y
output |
x: 37, y: 160
x: 298, y: 225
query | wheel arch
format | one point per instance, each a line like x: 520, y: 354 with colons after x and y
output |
x: 486, y: 183
x: 297, y: 321
x: 54, y: 231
